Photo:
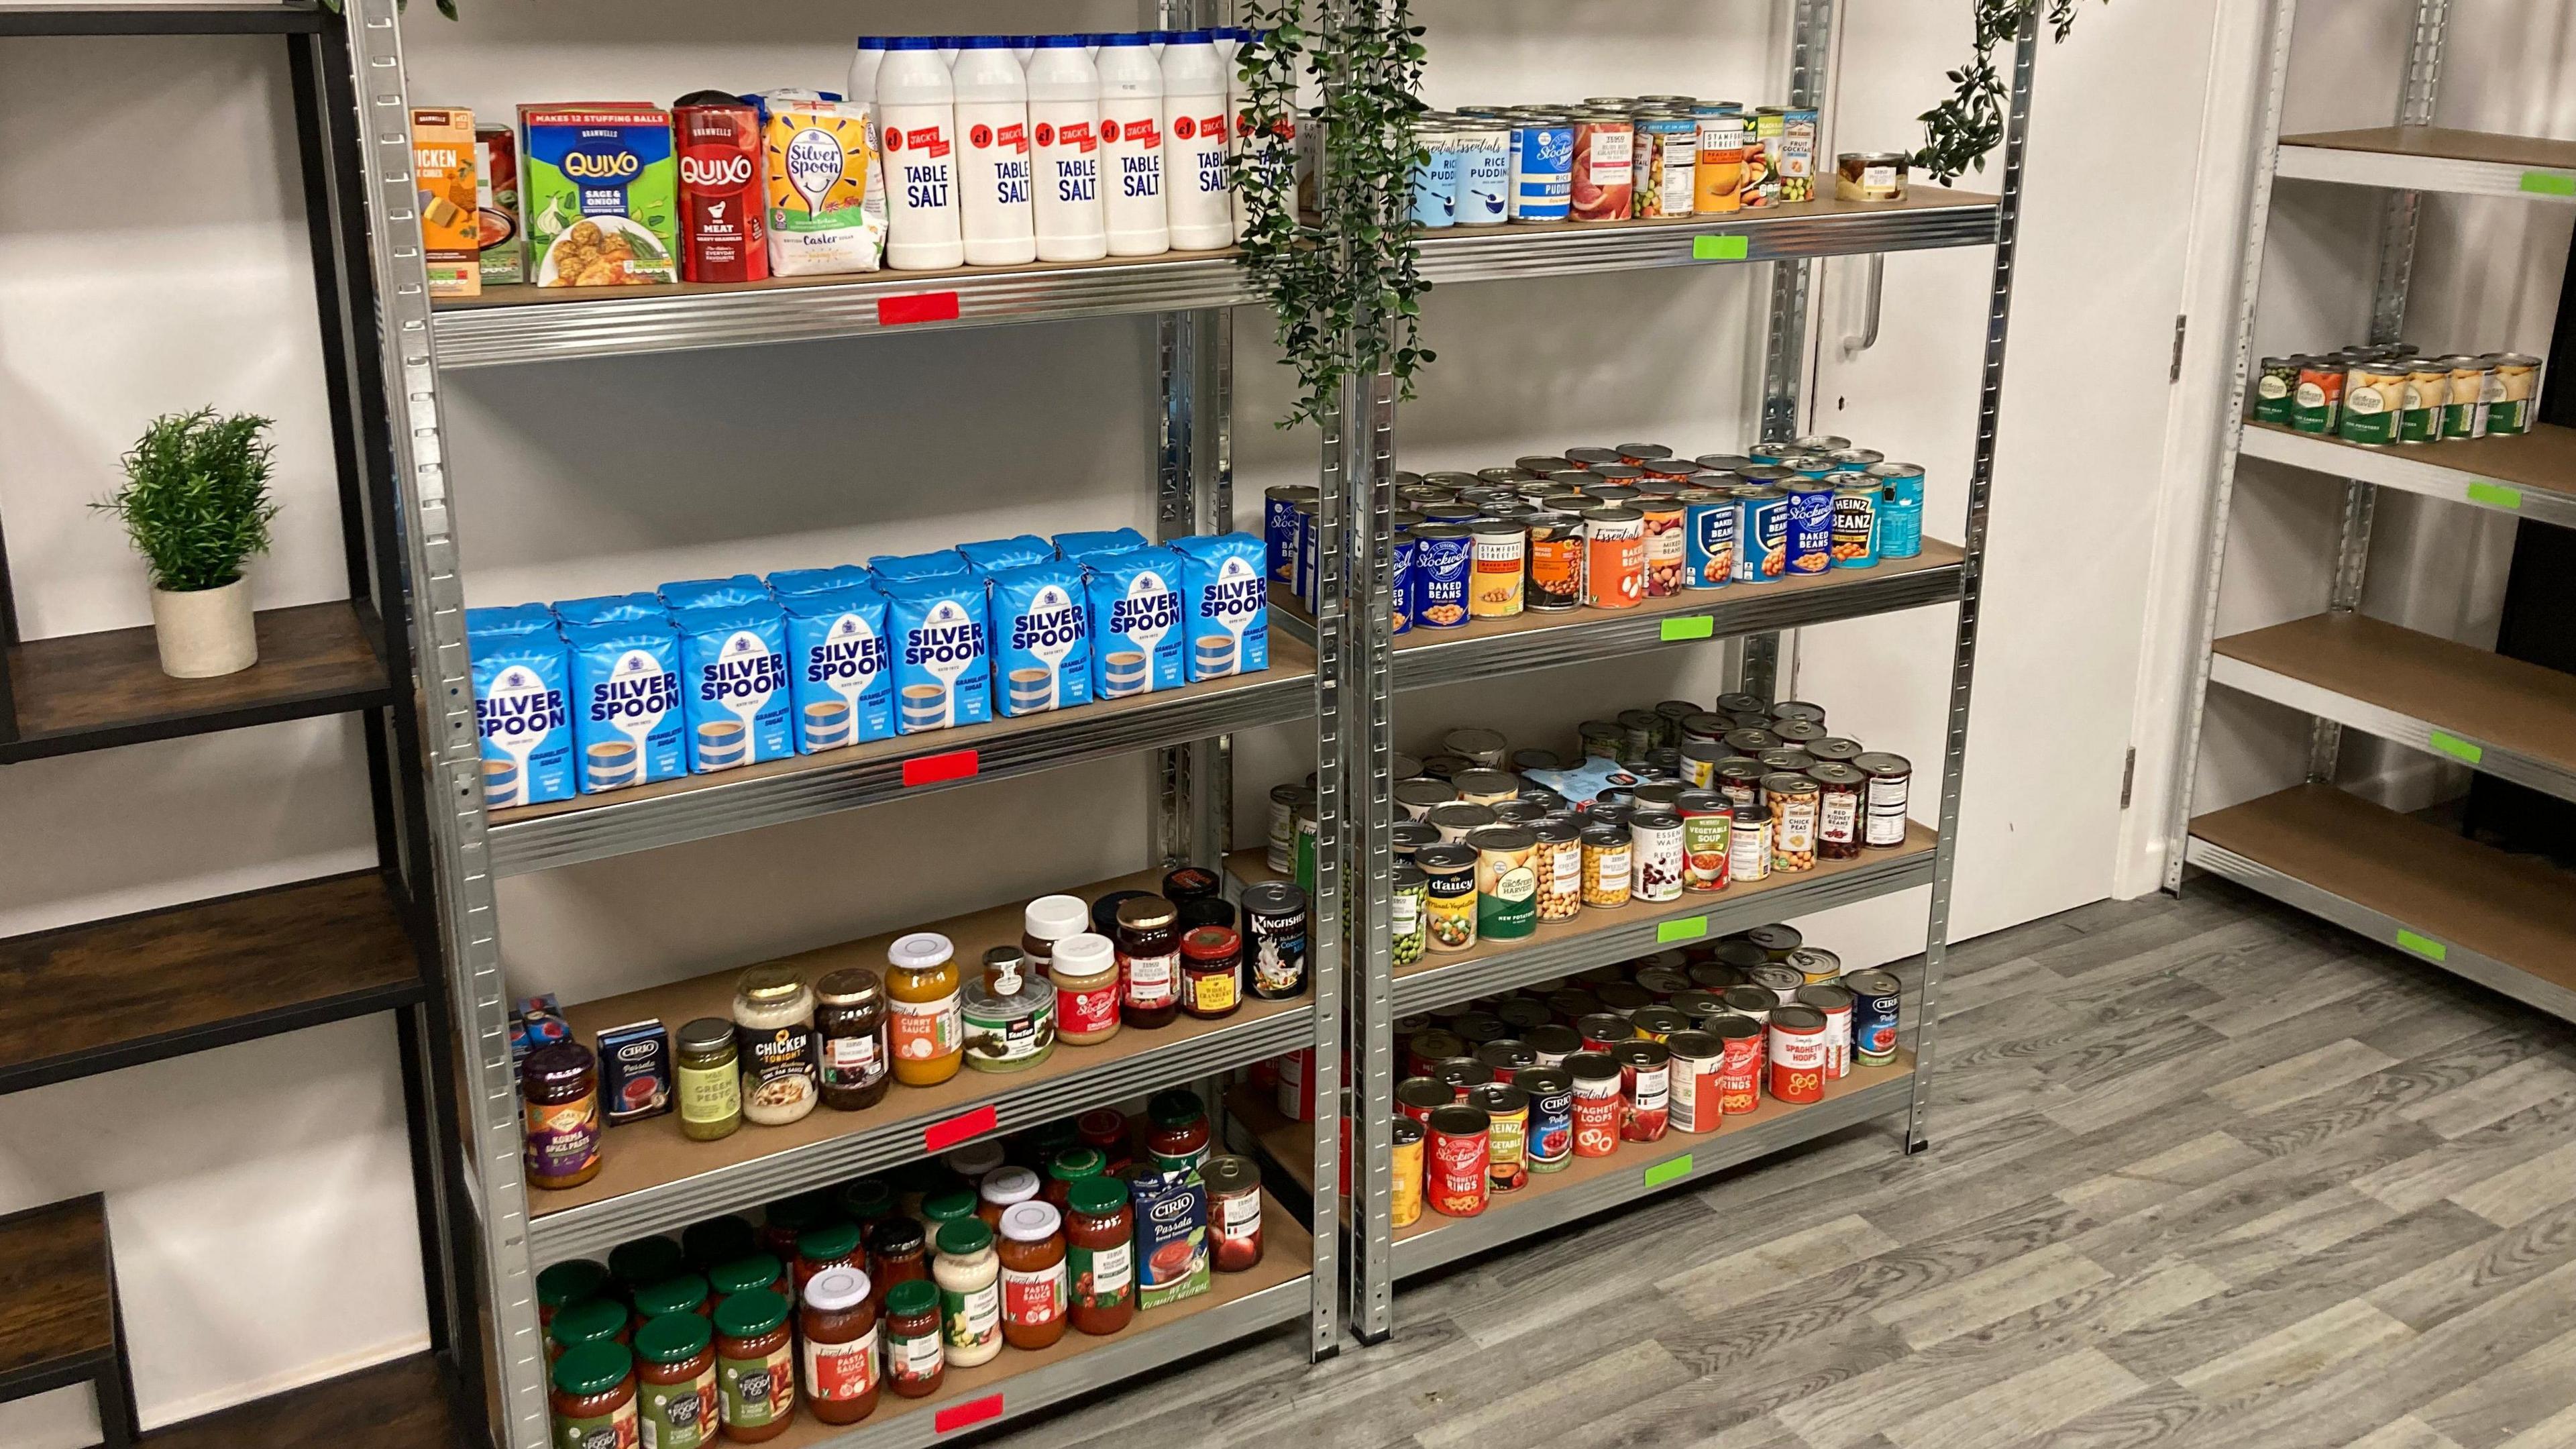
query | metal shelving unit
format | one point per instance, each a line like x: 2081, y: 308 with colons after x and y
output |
x: 2470, y: 909
x: 1747, y: 619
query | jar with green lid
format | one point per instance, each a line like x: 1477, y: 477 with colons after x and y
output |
x: 681, y: 1293
x: 1039, y: 1145
x: 593, y: 1320
x: 707, y: 1065
x: 1068, y: 1167
x: 750, y: 1273
x: 969, y: 1275
x: 675, y: 1369
x: 755, y: 1367
x: 786, y: 1220
x: 718, y: 1240
x: 1179, y: 1140
x: 644, y: 1260
x: 867, y: 1200
x: 915, y: 1359
x: 942, y: 1208
x: 561, y: 1285
x: 593, y: 1402
x: 833, y: 1245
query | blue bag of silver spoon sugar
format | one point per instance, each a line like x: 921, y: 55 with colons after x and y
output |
x: 612, y: 609
x: 1041, y: 639
x: 733, y: 670
x: 841, y: 667
x: 788, y: 583
x: 1225, y: 592
x: 522, y: 709
x: 510, y: 619
x: 740, y: 591
x: 992, y: 555
x: 627, y: 719
x: 1136, y: 629
x: 943, y: 667
x: 904, y: 568
x: 1081, y: 546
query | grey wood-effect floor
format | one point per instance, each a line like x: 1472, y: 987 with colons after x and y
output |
x: 2203, y: 1173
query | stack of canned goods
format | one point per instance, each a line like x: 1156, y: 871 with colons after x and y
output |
x: 1611, y: 158
x: 2394, y: 394
x: 1510, y: 1087
x: 1492, y: 841
x: 1618, y: 527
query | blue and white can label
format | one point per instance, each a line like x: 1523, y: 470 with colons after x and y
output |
x: 1542, y: 177
x: 1761, y: 535
x: 1709, y: 528
x: 1900, y: 509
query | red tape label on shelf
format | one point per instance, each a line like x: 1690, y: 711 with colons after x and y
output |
x: 940, y: 1136
x: 973, y: 1411
x: 936, y: 769
x: 916, y: 307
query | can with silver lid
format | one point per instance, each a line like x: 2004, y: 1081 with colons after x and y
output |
x: 1891, y: 779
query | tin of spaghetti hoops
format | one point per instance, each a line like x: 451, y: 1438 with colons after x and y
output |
x: 1799, y: 1052
x: 1598, y: 1102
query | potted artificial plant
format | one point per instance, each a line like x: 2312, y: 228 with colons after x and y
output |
x: 195, y: 504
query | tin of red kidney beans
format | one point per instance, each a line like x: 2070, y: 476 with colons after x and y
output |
x: 1658, y: 1023
x: 1604, y: 1029
x: 1836, y: 1003
x: 1507, y: 1111
x: 1550, y: 1136
x: 1740, y: 780
x: 1418, y: 1097
x: 1646, y: 1081
x: 1739, y: 1075
x: 1840, y: 790
x: 1599, y: 1102
x: 1698, y: 1066
x: 1799, y: 1053
x: 1554, y: 1043
x: 1877, y: 996
x: 1458, y: 1163
x: 1782, y: 981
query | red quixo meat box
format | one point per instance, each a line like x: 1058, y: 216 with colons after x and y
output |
x: 722, y: 237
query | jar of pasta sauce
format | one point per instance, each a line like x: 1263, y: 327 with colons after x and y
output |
x: 1035, y: 1297
x: 1100, y: 1255
x: 594, y: 1397
x: 755, y: 1366
x: 675, y: 1364
x: 916, y: 1361
x: 1645, y: 1076
x: 838, y: 1334
x: 1458, y: 1165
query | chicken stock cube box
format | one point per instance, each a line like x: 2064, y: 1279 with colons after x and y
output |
x: 791, y: 583
x: 613, y: 609
x: 627, y: 720
x: 443, y: 172
x: 822, y: 215
x: 995, y: 554
x: 740, y: 591
x: 1079, y: 546
x: 1171, y: 1236
x: 1041, y: 638
x: 733, y: 674
x: 1225, y: 593
x: 904, y: 568
x: 1137, y: 633
x: 841, y: 668
x: 522, y: 709
x: 943, y: 668
x: 510, y: 619
x: 600, y: 187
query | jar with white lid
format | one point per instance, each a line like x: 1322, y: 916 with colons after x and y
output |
x: 773, y: 1017
x: 1086, y: 989
x: 1047, y: 920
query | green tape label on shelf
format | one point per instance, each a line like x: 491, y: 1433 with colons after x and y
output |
x: 1703, y: 627
x: 2457, y: 748
x: 2496, y: 495
x: 2549, y: 183
x: 1720, y: 248
x: 1689, y: 930
x: 2424, y: 946
x: 1664, y: 1172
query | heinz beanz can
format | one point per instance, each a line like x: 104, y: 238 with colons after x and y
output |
x: 1709, y: 526
x: 1855, y: 529
x: 1810, y: 529
x: 1484, y: 189
x: 1542, y: 170
x: 1761, y: 534
x: 1443, y: 565
x: 1900, y: 508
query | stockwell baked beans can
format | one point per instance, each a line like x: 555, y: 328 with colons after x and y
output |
x: 1761, y: 534
x: 1279, y: 529
x: 1876, y: 998
x: 1810, y: 526
x: 1444, y: 556
x: 1798, y: 1054
x: 1614, y: 561
x: 1402, y: 580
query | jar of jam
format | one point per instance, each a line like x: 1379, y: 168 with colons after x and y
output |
x: 680, y: 1293
x: 707, y: 1067
x: 1045, y: 921
x: 1069, y: 1167
x: 1002, y: 1188
x: 838, y: 1334
x: 969, y: 1274
x: 559, y: 1085
x: 898, y: 1252
x: 850, y: 1025
x: 1179, y: 1137
x: 833, y: 1245
x: 1034, y: 1293
x: 750, y: 1273
x: 1009, y: 1014
x: 1211, y: 972
x: 1100, y: 1256
x: 1105, y: 1129
x: 926, y: 1036
x: 1085, y: 976
x: 594, y: 1396
x: 675, y: 1365
x: 1233, y: 1213
x: 755, y: 1367
x: 593, y: 1320
x: 561, y: 1285
x: 915, y: 1361
x: 1149, y: 962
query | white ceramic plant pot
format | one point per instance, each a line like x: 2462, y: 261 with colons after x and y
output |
x: 205, y: 632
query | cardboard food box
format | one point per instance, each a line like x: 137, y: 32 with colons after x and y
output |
x: 1171, y: 1235
x: 504, y: 253
x: 599, y: 187
x: 442, y: 167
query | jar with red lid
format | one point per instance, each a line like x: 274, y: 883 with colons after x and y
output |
x: 1211, y: 972
x: 1105, y: 1128
x: 1035, y: 1291
x: 1457, y: 1169
x: 1100, y: 1256
x: 1646, y: 1074
x: 1179, y: 1137
x: 1233, y: 1213
x: 1149, y: 962
x: 838, y: 1335
x: 1600, y: 1103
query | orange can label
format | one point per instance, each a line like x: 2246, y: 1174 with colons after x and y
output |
x: 1615, y: 566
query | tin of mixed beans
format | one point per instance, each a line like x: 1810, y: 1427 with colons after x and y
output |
x: 2393, y: 393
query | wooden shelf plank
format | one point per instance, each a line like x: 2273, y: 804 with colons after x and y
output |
x: 109, y: 994
x: 94, y: 691
x: 2431, y: 158
x: 57, y: 1303
x: 403, y: 1404
x: 2441, y: 143
x: 2532, y: 475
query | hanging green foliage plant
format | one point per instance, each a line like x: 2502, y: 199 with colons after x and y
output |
x: 1960, y: 132
x: 1342, y: 280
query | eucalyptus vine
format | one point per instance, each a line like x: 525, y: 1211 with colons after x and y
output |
x: 1961, y: 131
x: 1343, y: 284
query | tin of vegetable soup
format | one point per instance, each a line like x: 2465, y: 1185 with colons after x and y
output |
x: 2464, y: 406
x: 1542, y: 171
x: 1443, y: 569
x: 1810, y: 526
x: 1614, y: 572
x: 2510, y: 390
x: 2373, y: 402
x: 1762, y: 533
x: 2419, y: 418
x: 2317, y: 404
x: 1708, y: 825
x: 1900, y: 508
x: 2274, y: 381
x: 1855, y: 527
x: 1498, y: 572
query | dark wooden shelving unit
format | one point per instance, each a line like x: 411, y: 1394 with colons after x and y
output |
x: 397, y: 1405
x: 59, y: 1324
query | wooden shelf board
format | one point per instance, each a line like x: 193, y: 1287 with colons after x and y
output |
x: 403, y: 1404
x: 2511, y: 908
x: 108, y: 994
x: 1290, y: 1144
x: 2442, y: 143
x: 2457, y: 688
x: 57, y: 1303
x: 651, y: 1153
x: 2543, y: 459
x: 91, y: 691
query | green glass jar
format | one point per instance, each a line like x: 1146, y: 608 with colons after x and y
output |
x: 675, y: 1369
x: 682, y: 1293
x: 594, y: 1398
